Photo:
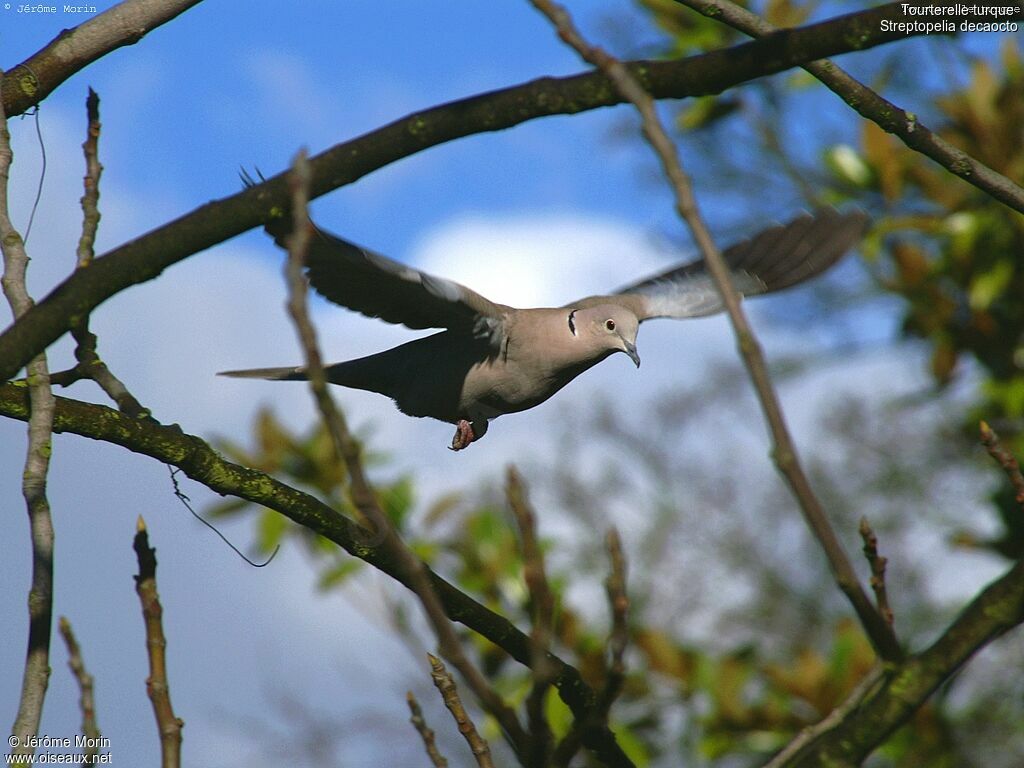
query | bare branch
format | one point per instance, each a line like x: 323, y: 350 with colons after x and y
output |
x: 33, y: 483
x: 830, y: 721
x: 436, y: 758
x: 73, y: 49
x: 87, y: 701
x: 877, y: 563
x: 147, y: 256
x: 783, y: 450
x: 618, y: 602
x: 450, y: 695
x: 363, y: 497
x: 1006, y: 460
x: 890, y: 702
x: 89, y: 365
x: 157, y: 687
x: 542, y: 606
x: 618, y: 638
x: 93, y: 171
x: 886, y: 115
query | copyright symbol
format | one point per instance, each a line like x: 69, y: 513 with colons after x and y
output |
x: 12, y: 740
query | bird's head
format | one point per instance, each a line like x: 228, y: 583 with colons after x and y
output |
x: 609, y: 327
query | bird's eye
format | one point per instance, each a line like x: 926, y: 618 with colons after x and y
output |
x: 609, y: 324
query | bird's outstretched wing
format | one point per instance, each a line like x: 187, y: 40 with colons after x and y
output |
x: 774, y: 259
x: 377, y: 286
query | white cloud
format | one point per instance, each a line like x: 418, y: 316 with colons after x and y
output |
x: 538, y: 260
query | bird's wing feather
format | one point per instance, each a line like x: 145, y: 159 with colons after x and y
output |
x: 377, y: 286
x: 774, y: 259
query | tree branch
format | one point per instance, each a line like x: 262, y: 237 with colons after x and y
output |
x: 426, y: 734
x: 783, y: 449
x: 73, y: 49
x: 36, y: 675
x: 542, y: 611
x: 450, y: 695
x: 347, y: 450
x: 888, y: 705
x: 87, y: 699
x: 146, y: 257
x: 169, y: 445
x: 158, y: 689
x: 872, y: 106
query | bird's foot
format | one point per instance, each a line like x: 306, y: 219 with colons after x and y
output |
x: 464, y: 435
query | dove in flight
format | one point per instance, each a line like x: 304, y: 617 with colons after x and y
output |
x: 492, y: 359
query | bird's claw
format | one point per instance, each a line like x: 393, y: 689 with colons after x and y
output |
x: 463, y: 436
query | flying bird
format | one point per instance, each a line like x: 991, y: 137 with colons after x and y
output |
x: 493, y: 359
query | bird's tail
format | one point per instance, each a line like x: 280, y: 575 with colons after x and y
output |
x: 270, y: 374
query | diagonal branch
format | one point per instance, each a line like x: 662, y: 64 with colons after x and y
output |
x: 170, y: 445
x: 886, y: 115
x: 783, y: 449
x: 147, y: 256
x: 74, y: 49
x: 347, y: 450
x: 888, y: 705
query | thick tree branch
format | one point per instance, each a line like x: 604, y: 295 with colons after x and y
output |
x: 146, y: 257
x: 888, y: 705
x: 74, y: 49
x: 883, y: 113
x: 169, y: 445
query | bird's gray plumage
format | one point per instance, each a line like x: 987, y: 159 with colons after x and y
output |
x: 492, y: 359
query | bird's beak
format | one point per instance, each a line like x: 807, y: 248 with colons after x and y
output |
x: 631, y: 351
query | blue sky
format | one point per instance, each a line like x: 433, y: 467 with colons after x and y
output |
x: 562, y: 205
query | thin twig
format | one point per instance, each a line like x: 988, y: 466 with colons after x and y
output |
x: 870, y: 105
x: 877, y: 563
x: 450, y: 695
x: 168, y: 724
x: 93, y: 171
x: 541, y: 613
x: 89, y: 365
x: 618, y: 639
x: 36, y: 674
x: 87, y: 701
x: 436, y: 758
x: 783, y: 449
x: 830, y: 721
x: 380, y: 531
x: 1006, y: 460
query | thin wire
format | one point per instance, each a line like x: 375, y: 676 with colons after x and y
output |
x: 42, y: 174
x: 187, y: 502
